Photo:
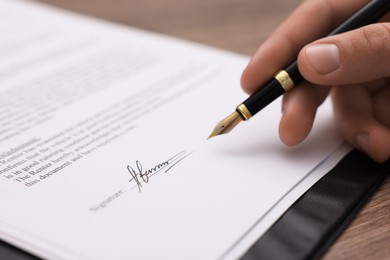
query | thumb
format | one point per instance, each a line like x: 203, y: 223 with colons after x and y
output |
x: 358, y: 56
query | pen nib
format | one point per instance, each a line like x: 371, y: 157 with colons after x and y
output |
x: 226, y: 125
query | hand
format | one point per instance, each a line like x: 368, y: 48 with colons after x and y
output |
x: 354, y: 67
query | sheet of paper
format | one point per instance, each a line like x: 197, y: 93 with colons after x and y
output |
x: 103, y: 144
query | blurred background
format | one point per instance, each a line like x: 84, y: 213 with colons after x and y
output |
x: 236, y: 25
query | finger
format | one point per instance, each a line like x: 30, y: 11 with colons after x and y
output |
x: 381, y: 100
x: 354, y: 113
x: 357, y: 56
x: 299, y: 109
x: 311, y: 20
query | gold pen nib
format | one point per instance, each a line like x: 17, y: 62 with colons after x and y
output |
x: 226, y: 125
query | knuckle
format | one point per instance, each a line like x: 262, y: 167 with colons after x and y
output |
x: 376, y: 39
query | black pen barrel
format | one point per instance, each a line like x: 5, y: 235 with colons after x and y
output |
x: 260, y: 99
x: 370, y: 13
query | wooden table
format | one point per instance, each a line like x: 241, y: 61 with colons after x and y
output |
x: 240, y: 26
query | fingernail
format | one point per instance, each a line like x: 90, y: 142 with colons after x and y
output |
x: 324, y: 58
x: 362, y: 141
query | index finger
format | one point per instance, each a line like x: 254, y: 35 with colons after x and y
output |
x: 311, y: 20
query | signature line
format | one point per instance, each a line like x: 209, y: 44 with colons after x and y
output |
x: 178, y: 161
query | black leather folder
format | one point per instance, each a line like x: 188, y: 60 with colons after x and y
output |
x: 317, y: 218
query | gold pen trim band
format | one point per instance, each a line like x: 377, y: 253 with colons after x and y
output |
x: 244, y: 112
x: 285, y: 80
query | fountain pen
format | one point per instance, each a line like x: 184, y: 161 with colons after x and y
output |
x: 287, y: 79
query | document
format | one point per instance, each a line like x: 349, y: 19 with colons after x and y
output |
x: 104, y: 151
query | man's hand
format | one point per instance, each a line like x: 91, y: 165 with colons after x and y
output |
x: 353, y: 66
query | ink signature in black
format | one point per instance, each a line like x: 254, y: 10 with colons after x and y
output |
x: 140, y: 176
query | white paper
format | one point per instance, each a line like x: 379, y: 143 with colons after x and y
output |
x: 103, y: 144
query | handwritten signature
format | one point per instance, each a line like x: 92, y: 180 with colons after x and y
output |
x: 139, y: 175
